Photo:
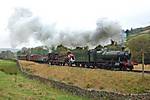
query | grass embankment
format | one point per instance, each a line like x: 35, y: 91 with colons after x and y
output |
x: 8, y: 66
x: 118, y: 81
x: 18, y: 87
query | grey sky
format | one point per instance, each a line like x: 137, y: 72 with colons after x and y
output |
x: 77, y: 14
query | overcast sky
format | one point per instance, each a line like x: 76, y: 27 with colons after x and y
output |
x: 77, y: 14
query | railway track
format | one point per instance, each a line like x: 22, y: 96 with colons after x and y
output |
x: 140, y: 71
x: 136, y: 71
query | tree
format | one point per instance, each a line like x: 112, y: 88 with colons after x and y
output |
x: 24, y: 50
x: 127, y: 32
x: 61, y: 49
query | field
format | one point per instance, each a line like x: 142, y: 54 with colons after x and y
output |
x: 8, y: 66
x: 117, y: 81
x: 18, y: 87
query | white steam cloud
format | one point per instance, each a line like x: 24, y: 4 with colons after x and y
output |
x: 23, y: 25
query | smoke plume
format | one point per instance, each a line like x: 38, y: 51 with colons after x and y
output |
x: 23, y: 26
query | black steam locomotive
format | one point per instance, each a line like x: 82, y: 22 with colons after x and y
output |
x: 93, y: 59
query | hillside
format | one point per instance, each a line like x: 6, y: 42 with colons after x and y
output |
x: 137, y: 40
x: 138, y: 30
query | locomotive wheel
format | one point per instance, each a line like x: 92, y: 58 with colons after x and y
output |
x: 63, y: 64
x: 77, y: 64
x: 83, y: 65
x: 108, y: 67
x: 94, y: 67
x: 87, y: 66
x: 131, y: 68
x: 123, y: 68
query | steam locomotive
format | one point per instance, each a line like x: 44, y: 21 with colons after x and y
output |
x: 93, y: 59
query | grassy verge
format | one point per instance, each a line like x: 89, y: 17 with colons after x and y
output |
x: 8, y: 66
x: 118, y: 81
x: 18, y: 87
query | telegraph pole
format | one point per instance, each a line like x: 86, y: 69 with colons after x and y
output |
x: 142, y: 51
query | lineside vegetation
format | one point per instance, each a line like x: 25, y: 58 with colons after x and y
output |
x: 117, y: 81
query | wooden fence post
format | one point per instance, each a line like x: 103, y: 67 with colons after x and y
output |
x: 142, y: 64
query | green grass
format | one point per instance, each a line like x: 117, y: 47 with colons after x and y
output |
x: 18, y: 87
x: 8, y: 66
